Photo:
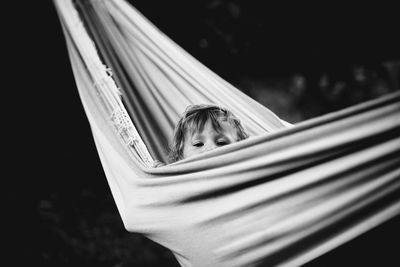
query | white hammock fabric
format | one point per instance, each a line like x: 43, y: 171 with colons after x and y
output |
x: 283, y: 197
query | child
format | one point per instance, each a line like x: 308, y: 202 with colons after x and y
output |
x: 203, y: 128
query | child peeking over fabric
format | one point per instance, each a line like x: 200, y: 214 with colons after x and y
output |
x: 203, y: 128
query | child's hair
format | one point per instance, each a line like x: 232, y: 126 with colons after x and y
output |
x: 194, y: 118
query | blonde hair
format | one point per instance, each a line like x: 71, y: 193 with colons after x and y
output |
x: 194, y: 118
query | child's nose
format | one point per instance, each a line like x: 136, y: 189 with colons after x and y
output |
x: 209, y: 147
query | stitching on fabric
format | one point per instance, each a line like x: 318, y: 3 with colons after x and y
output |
x: 126, y: 130
x: 123, y: 123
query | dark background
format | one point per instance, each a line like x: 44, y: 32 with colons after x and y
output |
x: 300, y: 61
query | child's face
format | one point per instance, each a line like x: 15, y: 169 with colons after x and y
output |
x: 208, y: 139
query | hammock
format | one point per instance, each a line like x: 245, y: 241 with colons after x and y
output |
x: 285, y: 196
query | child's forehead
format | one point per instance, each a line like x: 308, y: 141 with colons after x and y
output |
x: 218, y: 126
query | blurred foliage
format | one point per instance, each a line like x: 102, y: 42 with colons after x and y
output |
x: 300, y: 96
x: 90, y: 234
x: 298, y: 63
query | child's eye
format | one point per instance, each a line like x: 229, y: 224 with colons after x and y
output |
x: 222, y: 143
x: 198, y: 144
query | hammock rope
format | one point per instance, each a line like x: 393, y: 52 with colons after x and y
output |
x: 285, y: 196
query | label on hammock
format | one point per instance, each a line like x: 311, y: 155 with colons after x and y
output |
x: 127, y: 131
